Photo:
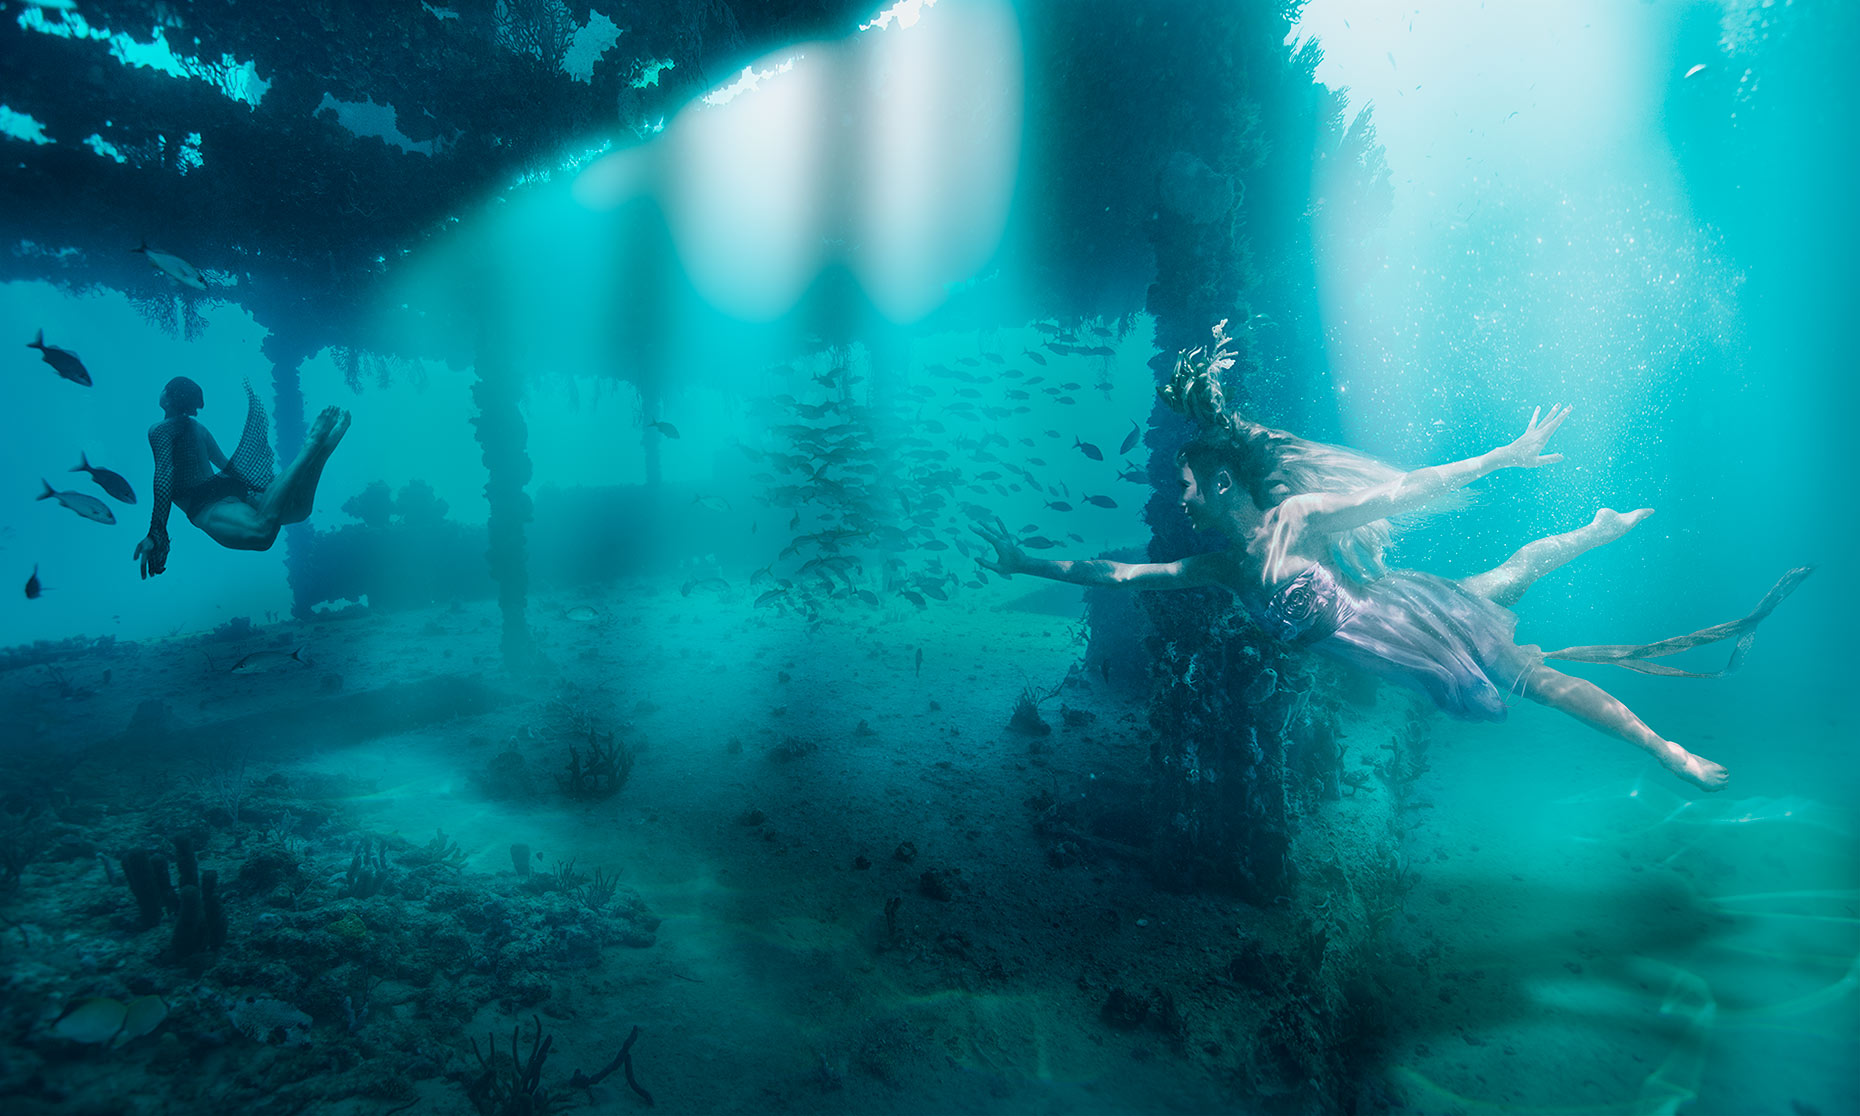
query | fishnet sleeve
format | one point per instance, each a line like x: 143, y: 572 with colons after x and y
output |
x: 161, y: 442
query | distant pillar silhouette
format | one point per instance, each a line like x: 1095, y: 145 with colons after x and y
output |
x: 503, y: 438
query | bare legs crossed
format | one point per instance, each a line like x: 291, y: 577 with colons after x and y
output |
x: 236, y: 524
x: 1579, y: 698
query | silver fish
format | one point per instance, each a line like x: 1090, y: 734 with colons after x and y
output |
x: 174, y: 267
x: 63, y: 361
x: 89, y: 507
x: 261, y: 662
x: 111, y: 482
x: 582, y: 614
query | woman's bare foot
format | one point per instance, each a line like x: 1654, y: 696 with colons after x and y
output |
x: 336, y: 431
x: 1611, y: 524
x: 321, y: 426
x: 1694, y: 769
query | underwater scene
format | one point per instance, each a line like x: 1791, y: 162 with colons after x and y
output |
x: 942, y: 556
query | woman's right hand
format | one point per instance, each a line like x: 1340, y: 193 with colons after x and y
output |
x: 150, y: 557
x: 1009, y: 558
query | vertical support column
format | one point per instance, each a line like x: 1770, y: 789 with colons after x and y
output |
x: 287, y: 349
x: 503, y: 438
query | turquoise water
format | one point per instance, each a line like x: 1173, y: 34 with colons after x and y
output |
x: 873, y: 291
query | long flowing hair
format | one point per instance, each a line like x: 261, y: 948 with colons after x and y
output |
x: 1275, y: 464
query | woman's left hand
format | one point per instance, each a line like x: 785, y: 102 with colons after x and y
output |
x: 1527, y: 451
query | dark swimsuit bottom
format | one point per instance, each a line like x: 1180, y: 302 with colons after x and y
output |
x: 220, y: 486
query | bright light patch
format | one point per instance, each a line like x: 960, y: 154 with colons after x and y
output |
x: 189, y: 156
x: 104, y: 148
x: 239, y: 81
x: 569, y: 163
x: 20, y: 126
x: 591, y: 43
x: 365, y: 118
x: 440, y: 14
x: 940, y: 149
x: 650, y: 70
x: 746, y: 188
x: 749, y: 82
x: 905, y: 13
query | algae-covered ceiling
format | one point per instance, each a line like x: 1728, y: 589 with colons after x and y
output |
x: 295, y: 148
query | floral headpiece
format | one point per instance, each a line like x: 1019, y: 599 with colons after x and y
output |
x: 1195, y: 389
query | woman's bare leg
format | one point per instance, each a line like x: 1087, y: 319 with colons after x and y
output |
x: 293, y: 494
x: 1505, y: 583
x: 1594, y: 706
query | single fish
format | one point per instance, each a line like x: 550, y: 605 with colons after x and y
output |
x: 87, y: 506
x: 583, y: 614
x: 33, y: 588
x: 1101, y: 501
x: 714, y: 503
x: 112, y: 483
x: 1039, y: 542
x: 1088, y: 449
x: 713, y: 584
x: 1037, y: 358
x: 1059, y: 505
x: 1130, y: 439
x: 914, y: 598
x: 63, y: 361
x: 665, y: 428
x: 770, y: 597
x: 920, y: 662
x: 262, y: 662
x: 174, y: 267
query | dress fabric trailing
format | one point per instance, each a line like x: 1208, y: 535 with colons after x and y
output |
x: 1411, y: 628
x: 1432, y: 635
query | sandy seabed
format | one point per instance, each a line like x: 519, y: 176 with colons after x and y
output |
x: 1581, y: 934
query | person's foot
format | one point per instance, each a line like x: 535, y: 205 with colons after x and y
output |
x: 1695, y: 769
x: 336, y: 432
x: 1611, y: 524
x: 321, y: 426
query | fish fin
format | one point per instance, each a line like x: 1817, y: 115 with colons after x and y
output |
x: 83, y: 465
x: 142, y: 248
x: 37, y: 342
x: 48, y: 493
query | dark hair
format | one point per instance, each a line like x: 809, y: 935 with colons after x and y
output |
x: 184, y: 395
x: 1276, y: 464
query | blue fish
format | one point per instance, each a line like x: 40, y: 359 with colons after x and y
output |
x: 87, y: 506
x: 111, y: 482
x: 63, y: 361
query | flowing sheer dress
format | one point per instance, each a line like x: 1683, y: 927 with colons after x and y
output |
x: 1428, y: 633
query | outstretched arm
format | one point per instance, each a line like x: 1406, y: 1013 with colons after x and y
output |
x: 1187, y: 573
x: 152, y: 552
x: 1329, y: 513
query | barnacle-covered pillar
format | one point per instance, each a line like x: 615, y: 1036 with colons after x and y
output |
x: 287, y: 347
x: 503, y: 438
